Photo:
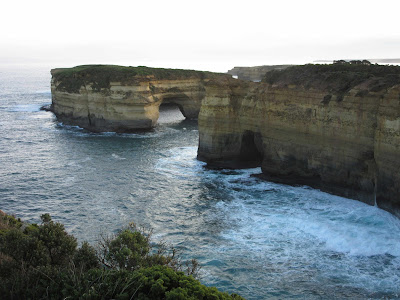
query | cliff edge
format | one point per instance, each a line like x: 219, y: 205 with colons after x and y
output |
x: 333, y: 127
x: 254, y: 73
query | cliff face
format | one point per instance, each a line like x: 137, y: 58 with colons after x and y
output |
x: 341, y: 138
x: 123, y: 99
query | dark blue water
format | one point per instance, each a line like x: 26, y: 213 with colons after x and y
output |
x: 255, y: 238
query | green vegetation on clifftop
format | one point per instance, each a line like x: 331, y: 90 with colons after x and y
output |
x: 44, y: 262
x: 99, y: 76
x: 338, y: 78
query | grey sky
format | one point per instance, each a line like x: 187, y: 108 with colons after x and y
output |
x: 214, y: 35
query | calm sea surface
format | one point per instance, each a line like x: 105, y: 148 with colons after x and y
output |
x: 259, y: 239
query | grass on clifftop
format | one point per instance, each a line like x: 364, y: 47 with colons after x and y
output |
x: 338, y: 78
x: 99, y: 76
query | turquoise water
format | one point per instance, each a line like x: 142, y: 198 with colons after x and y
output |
x: 256, y: 238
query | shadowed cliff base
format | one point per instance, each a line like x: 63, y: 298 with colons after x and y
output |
x: 250, y: 154
x: 333, y: 127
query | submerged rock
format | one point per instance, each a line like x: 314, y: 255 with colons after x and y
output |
x: 47, y: 107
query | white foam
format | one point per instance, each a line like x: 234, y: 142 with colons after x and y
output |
x: 69, y: 181
x: 78, y: 164
x: 25, y: 108
x: 66, y: 126
x: 180, y: 162
x: 43, y: 92
x: 295, y: 230
x: 116, y: 156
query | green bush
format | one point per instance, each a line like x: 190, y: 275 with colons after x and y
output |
x: 7, y: 222
x: 44, y: 262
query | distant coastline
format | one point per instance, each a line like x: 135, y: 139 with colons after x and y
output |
x: 374, y: 61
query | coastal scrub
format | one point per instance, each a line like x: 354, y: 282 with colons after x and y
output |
x: 40, y: 261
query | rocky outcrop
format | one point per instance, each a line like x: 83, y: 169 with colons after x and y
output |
x: 254, y: 73
x: 334, y: 129
x: 123, y: 99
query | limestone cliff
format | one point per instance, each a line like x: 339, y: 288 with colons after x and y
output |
x: 336, y: 128
x: 123, y: 99
x: 254, y: 73
x: 333, y: 127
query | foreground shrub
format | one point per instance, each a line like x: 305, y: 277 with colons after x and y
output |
x: 158, y: 282
x: 44, y: 262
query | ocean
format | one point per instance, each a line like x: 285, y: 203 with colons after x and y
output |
x: 252, y: 237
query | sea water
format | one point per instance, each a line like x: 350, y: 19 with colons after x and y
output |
x: 255, y: 238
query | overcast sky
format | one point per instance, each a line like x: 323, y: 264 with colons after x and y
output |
x: 210, y: 35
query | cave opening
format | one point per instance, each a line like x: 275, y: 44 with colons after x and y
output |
x: 170, y: 113
x: 251, y: 152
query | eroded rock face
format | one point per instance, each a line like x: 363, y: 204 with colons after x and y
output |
x: 123, y: 99
x: 346, y: 142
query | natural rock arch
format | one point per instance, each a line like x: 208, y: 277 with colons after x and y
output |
x: 124, y: 99
x: 187, y: 106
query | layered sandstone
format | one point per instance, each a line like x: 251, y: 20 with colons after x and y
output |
x: 123, y: 99
x: 337, y: 131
